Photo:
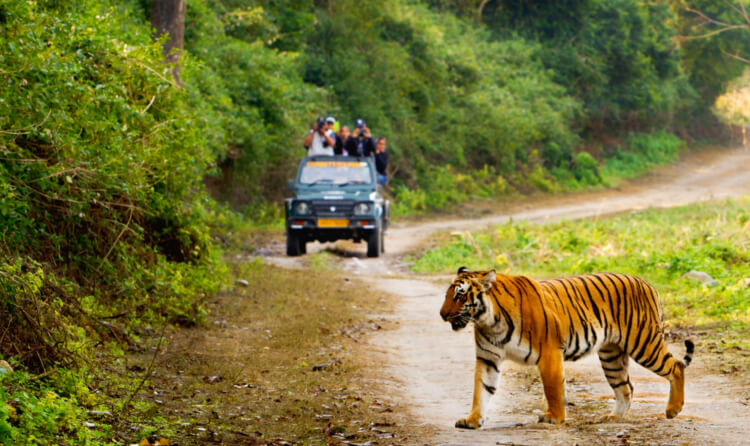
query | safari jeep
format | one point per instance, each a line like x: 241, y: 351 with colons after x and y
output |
x: 336, y: 198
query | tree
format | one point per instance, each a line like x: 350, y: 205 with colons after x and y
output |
x: 717, y: 25
x: 733, y: 106
x: 168, y: 17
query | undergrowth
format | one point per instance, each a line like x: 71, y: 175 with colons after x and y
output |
x: 104, y: 225
x: 439, y: 188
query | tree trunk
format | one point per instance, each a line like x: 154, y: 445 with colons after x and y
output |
x: 168, y: 17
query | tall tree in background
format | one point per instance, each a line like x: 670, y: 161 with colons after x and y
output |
x: 168, y: 17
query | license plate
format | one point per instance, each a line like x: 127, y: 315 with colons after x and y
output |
x: 333, y: 222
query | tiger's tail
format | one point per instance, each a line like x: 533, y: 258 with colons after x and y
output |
x: 689, y: 349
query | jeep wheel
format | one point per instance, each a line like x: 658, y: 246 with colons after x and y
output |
x: 375, y: 242
x: 382, y: 241
x: 294, y: 246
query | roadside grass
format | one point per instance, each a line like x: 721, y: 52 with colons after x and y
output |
x: 321, y: 261
x: 660, y: 245
x: 280, y: 360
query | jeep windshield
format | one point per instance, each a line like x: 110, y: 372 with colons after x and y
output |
x: 335, y: 172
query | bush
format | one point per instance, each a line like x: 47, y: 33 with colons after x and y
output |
x: 100, y: 177
x: 539, y: 178
x: 646, y: 150
x: 443, y: 186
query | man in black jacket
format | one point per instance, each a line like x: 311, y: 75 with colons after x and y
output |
x: 381, y: 161
x: 360, y: 143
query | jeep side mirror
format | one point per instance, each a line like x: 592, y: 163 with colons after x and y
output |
x: 290, y: 185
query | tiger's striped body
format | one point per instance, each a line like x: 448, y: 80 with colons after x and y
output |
x: 547, y: 322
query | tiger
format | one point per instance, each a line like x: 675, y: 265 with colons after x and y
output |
x: 547, y: 322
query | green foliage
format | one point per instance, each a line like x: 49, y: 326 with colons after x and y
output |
x: 540, y: 179
x: 250, y: 75
x: 444, y: 186
x: 519, y: 90
x: 34, y: 412
x: 441, y: 187
x: 443, y: 90
x: 659, y: 245
x: 708, y: 58
x: 102, y: 209
x: 645, y: 152
x: 617, y: 57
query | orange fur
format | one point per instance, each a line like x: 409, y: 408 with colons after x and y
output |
x: 548, y: 322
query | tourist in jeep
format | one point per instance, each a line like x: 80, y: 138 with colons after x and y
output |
x: 381, y: 161
x: 360, y: 143
x: 341, y: 137
x: 320, y: 140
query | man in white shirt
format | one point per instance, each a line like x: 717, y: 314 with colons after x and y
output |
x: 321, y: 139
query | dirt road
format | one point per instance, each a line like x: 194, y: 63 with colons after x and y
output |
x: 429, y: 369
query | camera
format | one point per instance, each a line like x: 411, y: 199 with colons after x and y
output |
x: 320, y: 123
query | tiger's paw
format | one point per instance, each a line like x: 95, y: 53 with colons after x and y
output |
x: 470, y: 422
x: 673, y: 411
x: 548, y: 418
x: 611, y: 418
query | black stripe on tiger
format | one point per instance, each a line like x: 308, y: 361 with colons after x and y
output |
x: 488, y: 363
x: 689, y: 350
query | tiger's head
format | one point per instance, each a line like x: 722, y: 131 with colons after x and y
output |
x: 464, y: 300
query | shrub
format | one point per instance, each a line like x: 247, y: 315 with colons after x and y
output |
x: 100, y: 177
x: 646, y: 150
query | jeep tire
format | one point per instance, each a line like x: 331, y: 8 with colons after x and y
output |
x: 294, y: 245
x: 382, y: 241
x: 375, y: 242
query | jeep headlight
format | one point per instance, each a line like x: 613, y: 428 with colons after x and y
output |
x: 302, y: 208
x: 362, y: 209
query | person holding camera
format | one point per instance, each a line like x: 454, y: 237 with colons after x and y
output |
x: 341, y: 137
x: 360, y: 143
x: 320, y: 140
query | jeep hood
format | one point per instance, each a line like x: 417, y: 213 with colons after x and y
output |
x: 333, y: 193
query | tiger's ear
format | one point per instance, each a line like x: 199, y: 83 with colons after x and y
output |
x: 488, y: 279
x: 462, y: 270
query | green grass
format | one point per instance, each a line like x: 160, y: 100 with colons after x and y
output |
x: 646, y: 151
x: 658, y: 245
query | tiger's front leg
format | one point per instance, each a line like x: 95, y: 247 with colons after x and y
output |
x: 485, y: 382
x: 551, y: 370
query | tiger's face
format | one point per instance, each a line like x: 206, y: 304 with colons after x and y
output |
x: 464, y: 299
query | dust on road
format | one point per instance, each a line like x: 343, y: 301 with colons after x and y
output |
x: 429, y: 368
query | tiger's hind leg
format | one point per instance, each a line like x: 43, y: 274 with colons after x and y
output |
x: 615, y: 364
x: 658, y: 359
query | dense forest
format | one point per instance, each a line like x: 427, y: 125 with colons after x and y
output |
x: 115, y: 178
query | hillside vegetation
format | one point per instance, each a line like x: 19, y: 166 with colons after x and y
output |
x: 512, y: 97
